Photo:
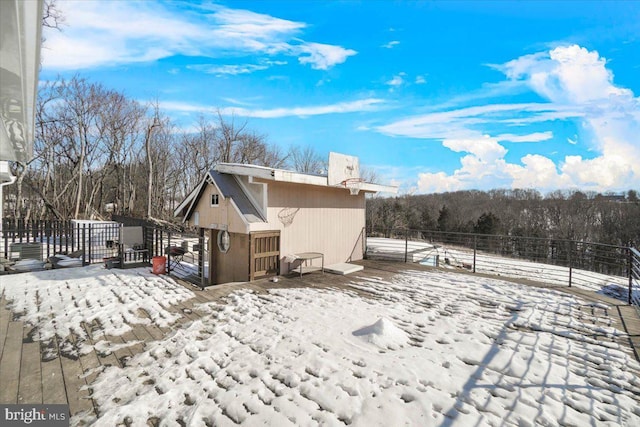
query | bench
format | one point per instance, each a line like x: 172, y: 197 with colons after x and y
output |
x: 306, y: 262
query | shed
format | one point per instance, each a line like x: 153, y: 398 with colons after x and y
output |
x: 258, y: 218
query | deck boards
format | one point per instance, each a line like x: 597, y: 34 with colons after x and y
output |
x: 30, y: 385
x: 28, y: 376
x: 53, y: 386
x: 5, y: 318
x: 10, y: 363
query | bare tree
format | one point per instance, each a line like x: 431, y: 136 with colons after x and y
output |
x: 306, y: 160
x: 147, y: 143
x: 228, y: 134
x: 94, y: 146
x: 369, y: 174
x: 51, y: 15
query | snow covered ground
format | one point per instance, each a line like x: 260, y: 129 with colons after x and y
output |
x: 427, y: 348
x: 458, y: 257
x: 58, y: 302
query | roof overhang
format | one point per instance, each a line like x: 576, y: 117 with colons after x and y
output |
x: 187, y: 205
x: 281, y: 175
x: 6, y: 177
x: 20, y: 32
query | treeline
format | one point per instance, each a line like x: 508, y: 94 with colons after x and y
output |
x: 98, y: 152
x: 573, y: 215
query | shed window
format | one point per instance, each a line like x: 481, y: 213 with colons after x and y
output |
x: 214, y: 200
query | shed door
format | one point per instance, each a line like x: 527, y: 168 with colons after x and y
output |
x: 264, y: 254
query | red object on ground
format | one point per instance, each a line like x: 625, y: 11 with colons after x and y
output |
x: 159, y: 265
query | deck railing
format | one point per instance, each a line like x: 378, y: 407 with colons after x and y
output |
x: 634, y: 278
x: 93, y: 242
x: 613, y: 270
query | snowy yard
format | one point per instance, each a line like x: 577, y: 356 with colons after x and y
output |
x: 62, y: 301
x: 459, y: 257
x: 420, y: 348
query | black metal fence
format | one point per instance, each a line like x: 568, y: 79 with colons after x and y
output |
x: 185, y: 254
x: 40, y: 240
x: 634, y: 278
x: 80, y: 243
x: 613, y: 270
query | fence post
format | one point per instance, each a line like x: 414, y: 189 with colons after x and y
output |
x: 406, y: 244
x: 84, y: 245
x: 475, y: 250
x: 201, y: 240
x: 90, y: 245
x: 570, y: 262
x: 630, y: 258
x: 168, y: 252
x: 121, y: 246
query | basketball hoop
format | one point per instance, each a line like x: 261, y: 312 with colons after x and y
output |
x: 353, y: 184
x: 286, y: 215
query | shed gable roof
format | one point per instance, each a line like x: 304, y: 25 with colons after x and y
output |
x: 229, y: 188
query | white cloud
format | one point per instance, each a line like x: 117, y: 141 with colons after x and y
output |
x: 229, y: 69
x: 486, y: 168
x: 569, y: 74
x: 115, y: 33
x: 485, y: 149
x: 464, y: 122
x: 483, y: 167
x: 323, y: 56
x: 537, y: 171
x: 531, y: 137
x: 578, y: 86
x: 250, y: 27
x: 391, y: 44
x: 369, y: 104
x: 609, y: 171
x: 245, y: 102
x: 576, y: 76
x: 420, y: 80
x: 234, y: 69
x: 397, y: 80
x: 438, y: 182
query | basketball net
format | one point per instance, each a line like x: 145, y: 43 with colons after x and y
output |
x: 353, y: 184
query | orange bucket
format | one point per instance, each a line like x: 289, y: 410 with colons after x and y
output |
x: 159, y: 264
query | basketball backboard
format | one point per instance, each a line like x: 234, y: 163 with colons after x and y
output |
x: 342, y: 168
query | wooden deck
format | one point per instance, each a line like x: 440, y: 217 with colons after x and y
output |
x: 39, y: 372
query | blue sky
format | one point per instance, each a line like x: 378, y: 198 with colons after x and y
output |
x: 435, y: 96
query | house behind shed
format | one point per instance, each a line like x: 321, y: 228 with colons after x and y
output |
x: 259, y: 217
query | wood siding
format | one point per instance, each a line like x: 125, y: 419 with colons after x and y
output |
x: 232, y: 266
x: 224, y: 216
x: 264, y: 258
x: 309, y: 218
x: 324, y: 219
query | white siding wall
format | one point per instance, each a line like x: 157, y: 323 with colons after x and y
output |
x: 224, y: 215
x: 329, y: 220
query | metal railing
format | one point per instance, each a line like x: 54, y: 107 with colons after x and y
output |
x: 634, y: 278
x: 92, y: 242
x: 98, y: 242
x: 186, y: 253
x: 609, y: 269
